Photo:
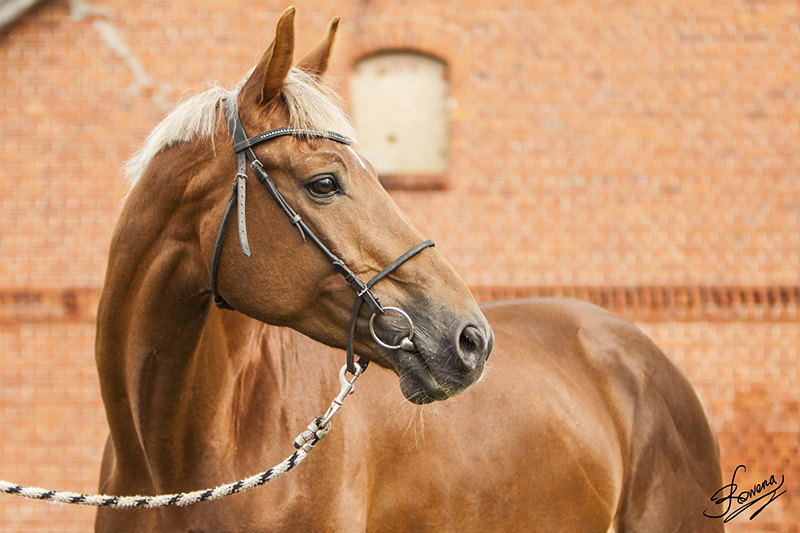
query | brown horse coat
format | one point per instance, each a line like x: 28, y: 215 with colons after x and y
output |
x: 579, y: 424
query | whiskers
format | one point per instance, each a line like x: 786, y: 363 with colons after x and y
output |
x: 488, y: 368
x: 409, y: 418
x: 452, y: 352
x: 415, y: 425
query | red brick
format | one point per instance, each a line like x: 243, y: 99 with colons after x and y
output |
x: 644, y: 155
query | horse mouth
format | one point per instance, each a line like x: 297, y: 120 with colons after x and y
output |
x: 435, y: 368
x: 419, y: 383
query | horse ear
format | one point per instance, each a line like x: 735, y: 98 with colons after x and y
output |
x: 316, y: 62
x: 268, y: 77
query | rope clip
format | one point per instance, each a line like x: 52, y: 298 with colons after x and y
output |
x: 347, y: 388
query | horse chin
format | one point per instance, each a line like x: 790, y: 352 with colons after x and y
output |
x: 419, y: 392
x: 418, y: 383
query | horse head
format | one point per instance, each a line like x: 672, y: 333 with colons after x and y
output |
x: 273, y: 273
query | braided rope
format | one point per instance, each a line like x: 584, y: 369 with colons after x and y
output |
x: 304, y: 443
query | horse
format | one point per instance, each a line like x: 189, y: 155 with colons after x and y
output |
x: 578, y: 422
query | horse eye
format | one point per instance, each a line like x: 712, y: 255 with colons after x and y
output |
x: 323, y: 187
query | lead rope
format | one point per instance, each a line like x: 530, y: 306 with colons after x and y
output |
x: 304, y: 443
x: 316, y: 430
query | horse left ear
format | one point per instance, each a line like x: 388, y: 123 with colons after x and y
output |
x: 267, y: 79
x: 316, y: 62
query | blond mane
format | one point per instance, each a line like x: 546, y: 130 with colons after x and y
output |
x: 311, y: 105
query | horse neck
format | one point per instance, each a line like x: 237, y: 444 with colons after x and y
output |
x: 177, y: 374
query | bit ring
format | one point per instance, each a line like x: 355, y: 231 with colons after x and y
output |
x: 406, y: 338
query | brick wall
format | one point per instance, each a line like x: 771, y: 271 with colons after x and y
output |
x: 643, y: 155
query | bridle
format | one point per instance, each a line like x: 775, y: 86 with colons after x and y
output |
x: 319, y: 428
x: 243, y: 147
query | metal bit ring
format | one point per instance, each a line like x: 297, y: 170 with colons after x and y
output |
x: 405, y: 342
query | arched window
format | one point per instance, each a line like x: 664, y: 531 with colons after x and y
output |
x: 399, y: 109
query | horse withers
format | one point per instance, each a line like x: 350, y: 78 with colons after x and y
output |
x: 581, y: 423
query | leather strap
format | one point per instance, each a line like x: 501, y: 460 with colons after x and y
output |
x: 351, y: 330
x: 219, y: 301
x: 243, y: 146
x: 241, y: 187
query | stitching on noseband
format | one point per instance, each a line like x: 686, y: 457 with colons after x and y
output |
x: 243, y: 146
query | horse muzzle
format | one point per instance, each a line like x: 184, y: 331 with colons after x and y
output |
x: 434, y: 360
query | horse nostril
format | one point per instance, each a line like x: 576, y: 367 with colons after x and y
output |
x: 471, y: 346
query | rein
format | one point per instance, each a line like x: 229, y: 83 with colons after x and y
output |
x: 319, y: 428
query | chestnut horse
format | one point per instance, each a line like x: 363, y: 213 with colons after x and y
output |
x: 581, y: 423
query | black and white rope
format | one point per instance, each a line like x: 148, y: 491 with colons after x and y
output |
x: 304, y: 443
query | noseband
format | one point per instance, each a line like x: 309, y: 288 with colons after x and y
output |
x: 243, y: 146
x: 320, y: 427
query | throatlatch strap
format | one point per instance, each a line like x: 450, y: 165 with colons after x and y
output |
x: 219, y: 301
x: 243, y: 146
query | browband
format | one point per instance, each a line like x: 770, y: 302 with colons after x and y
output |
x: 285, y: 130
x: 243, y: 146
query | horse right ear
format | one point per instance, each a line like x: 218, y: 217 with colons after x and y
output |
x: 265, y: 84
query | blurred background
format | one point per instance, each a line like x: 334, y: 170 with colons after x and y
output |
x: 643, y: 155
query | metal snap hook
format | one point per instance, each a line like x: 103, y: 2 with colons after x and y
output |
x: 406, y: 342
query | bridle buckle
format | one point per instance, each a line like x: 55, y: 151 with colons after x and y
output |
x: 244, y: 153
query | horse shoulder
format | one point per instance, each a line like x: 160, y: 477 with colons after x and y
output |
x: 669, y: 448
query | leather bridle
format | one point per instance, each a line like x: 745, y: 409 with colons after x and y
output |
x: 319, y: 428
x: 243, y: 146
